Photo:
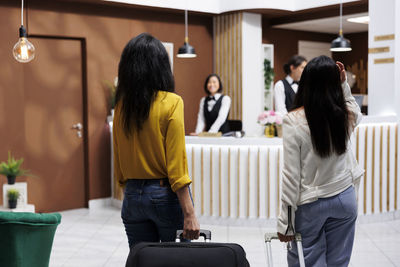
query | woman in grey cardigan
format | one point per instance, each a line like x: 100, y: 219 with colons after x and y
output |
x: 320, y: 172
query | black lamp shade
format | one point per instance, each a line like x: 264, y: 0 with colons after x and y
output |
x: 186, y: 51
x: 340, y: 44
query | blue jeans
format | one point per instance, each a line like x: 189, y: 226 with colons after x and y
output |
x: 150, y: 212
x: 327, y: 229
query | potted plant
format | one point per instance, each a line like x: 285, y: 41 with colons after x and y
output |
x: 272, y: 121
x: 268, y: 74
x: 113, y: 89
x: 12, y: 195
x: 12, y: 168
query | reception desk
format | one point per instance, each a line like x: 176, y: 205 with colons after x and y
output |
x: 240, y: 178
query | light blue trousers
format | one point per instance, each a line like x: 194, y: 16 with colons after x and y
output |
x: 327, y: 229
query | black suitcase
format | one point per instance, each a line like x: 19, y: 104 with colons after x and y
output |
x: 187, y: 254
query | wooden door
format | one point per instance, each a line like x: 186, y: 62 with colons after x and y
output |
x: 53, y: 113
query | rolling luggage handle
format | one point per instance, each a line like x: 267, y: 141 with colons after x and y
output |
x: 297, y: 237
x: 204, y: 233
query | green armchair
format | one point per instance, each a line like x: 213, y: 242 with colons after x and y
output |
x: 26, y: 238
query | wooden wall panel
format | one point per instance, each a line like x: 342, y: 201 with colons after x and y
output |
x: 228, y: 58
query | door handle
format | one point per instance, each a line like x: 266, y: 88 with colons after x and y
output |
x: 77, y: 126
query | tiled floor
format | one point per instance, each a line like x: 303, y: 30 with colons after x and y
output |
x: 97, y: 238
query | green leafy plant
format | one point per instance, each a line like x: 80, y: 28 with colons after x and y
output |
x: 112, y: 87
x: 268, y: 74
x: 13, y: 194
x: 13, y: 167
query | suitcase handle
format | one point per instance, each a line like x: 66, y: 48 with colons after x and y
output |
x: 204, y: 233
x: 274, y: 235
x: 270, y: 236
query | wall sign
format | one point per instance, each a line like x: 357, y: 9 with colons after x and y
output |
x: 384, y: 60
x: 384, y: 37
x: 378, y: 50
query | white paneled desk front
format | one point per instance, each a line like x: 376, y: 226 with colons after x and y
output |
x: 235, y: 177
x: 241, y: 177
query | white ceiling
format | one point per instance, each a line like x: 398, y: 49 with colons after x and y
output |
x: 221, y: 6
x: 328, y: 25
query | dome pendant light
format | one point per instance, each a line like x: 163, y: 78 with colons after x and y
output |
x: 23, y: 50
x: 341, y: 44
x: 186, y: 51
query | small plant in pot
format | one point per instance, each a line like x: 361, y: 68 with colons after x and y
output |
x: 12, y: 168
x: 12, y: 195
x: 112, y: 87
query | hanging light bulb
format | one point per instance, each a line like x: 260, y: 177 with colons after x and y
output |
x: 341, y: 44
x: 23, y: 50
x: 186, y: 51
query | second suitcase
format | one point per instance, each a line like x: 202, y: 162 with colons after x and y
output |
x: 187, y: 254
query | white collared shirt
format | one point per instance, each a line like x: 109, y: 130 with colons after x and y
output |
x: 222, y: 115
x: 279, y: 94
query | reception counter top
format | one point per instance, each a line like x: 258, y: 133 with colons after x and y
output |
x: 254, y: 141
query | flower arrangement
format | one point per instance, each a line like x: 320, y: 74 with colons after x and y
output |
x: 270, y: 117
x: 272, y: 121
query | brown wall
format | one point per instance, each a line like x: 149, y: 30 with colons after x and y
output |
x: 286, y: 44
x: 106, y: 30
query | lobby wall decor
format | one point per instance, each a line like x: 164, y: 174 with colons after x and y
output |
x: 384, y: 60
x: 228, y: 58
x: 384, y: 37
x: 378, y: 50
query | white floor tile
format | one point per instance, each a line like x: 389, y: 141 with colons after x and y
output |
x: 97, y: 238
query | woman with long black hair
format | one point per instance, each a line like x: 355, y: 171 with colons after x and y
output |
x: 320, y: 172
x: 149, y: 146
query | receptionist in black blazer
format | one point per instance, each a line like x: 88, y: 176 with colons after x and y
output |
x: 214, y: 108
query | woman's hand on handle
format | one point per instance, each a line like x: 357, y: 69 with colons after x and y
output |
x: 285, y: 238
x: 342, y: 71
x: 191, y: 227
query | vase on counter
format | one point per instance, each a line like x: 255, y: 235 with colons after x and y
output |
x: 269, y: 130
x: 278, y: 130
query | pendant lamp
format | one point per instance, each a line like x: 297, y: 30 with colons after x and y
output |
x: 341, y: 44
x: 23, y: 50
x: 186, y: 51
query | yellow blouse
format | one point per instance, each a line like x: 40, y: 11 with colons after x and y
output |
x: 156, y: 151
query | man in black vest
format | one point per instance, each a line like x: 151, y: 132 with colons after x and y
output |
x: 285, y: 90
